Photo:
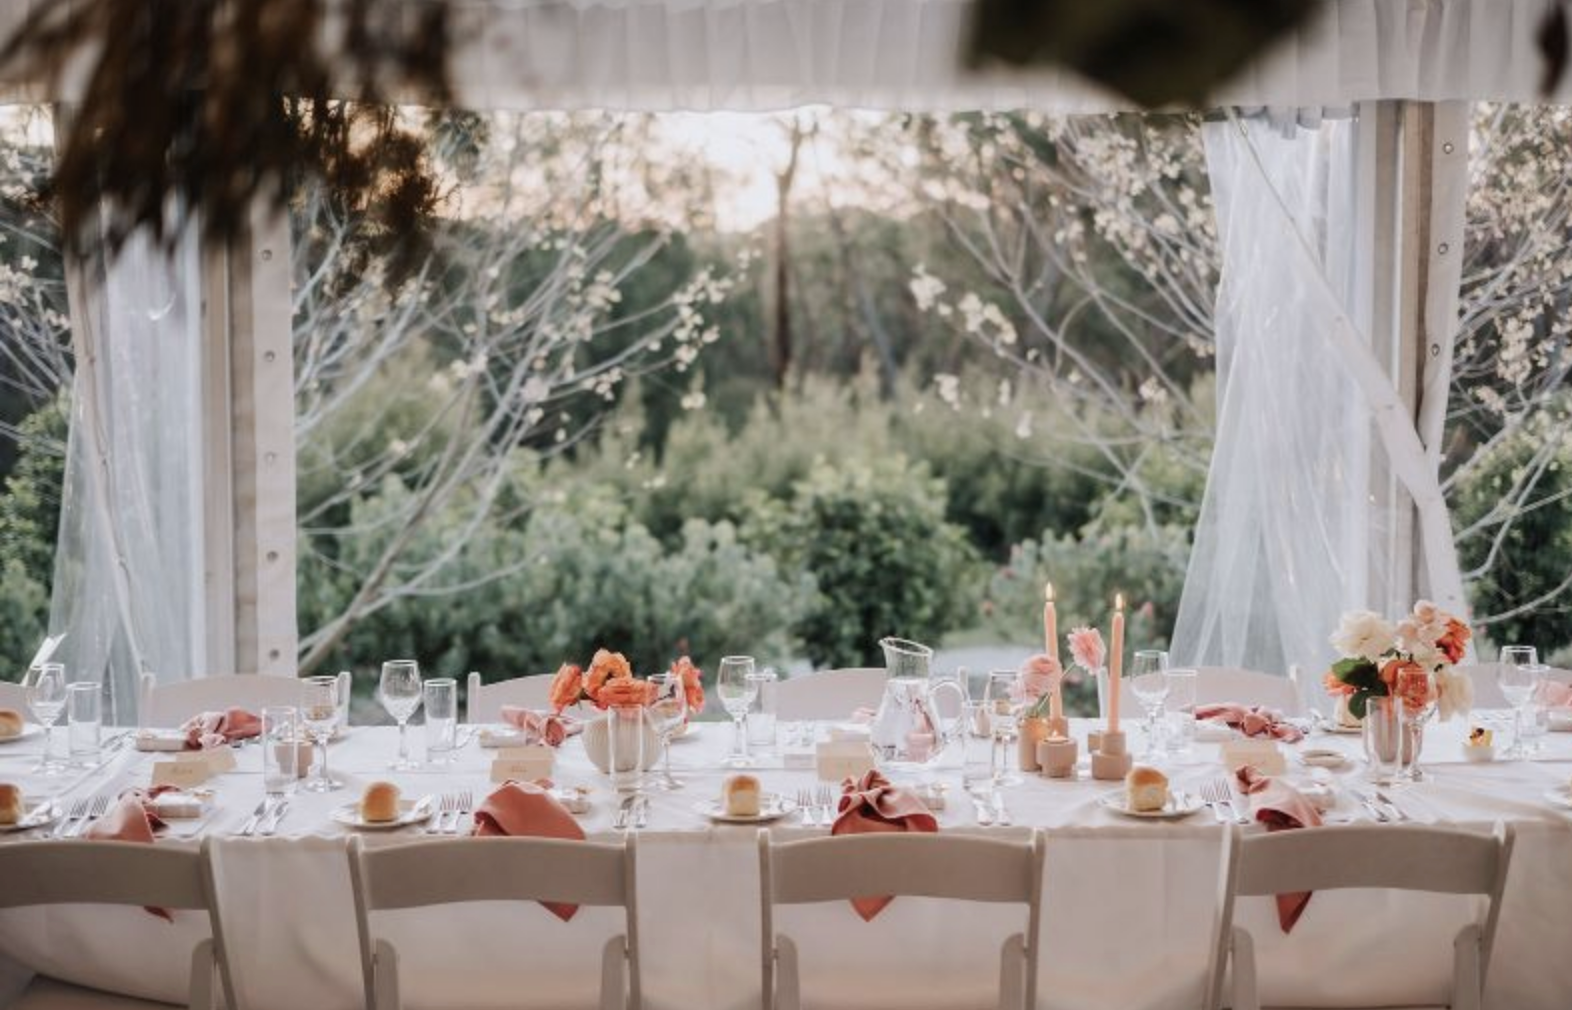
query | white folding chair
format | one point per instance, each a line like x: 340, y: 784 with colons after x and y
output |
x: 484, y: 701
x: 1487, y: 692
x: 1392, y: 857
x: 426, y: 873
x: 173, y: 704
x: 952, y: 867
x: 118, y: 873
x: 1214, y: 684
x: 828, y: 694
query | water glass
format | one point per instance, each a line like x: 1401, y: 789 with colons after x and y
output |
x: 761, y: 714
x: 1002, y: 710
x: 319, y: 701
x: 1381, y: 729
x: 399, y: 691
x: 625, y: 729
x: 735, y: 686
x: 84, y: 718
x: 44, y: 687
x: 1518, y: 683
x: 1180, y: 705
x: 281, y: 744
x: 669, y: 712
x: 1148, y: 680
x: 439, y: 697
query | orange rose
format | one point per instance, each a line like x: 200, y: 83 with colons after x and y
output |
x: 606, y: 666
x: 567, y: 687
x: 1454, y: 641
x: 625, y: 691
x: 1335, y: 686
x: 1415, y: 687
x: 692, y: 683
x: 1395, y: 668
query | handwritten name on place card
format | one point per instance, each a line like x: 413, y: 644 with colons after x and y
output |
x: 524, y: 764
x: 837, y: 760
x: 1262, y: 755
x: 218, y: 760
x: 181, y: 774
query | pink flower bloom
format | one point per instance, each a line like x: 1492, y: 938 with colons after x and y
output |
x: 1036, y: 678
x: 1086, y: 645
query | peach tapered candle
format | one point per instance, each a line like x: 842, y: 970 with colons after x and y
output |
x: 1051, y: 639
x: 1115, y: 663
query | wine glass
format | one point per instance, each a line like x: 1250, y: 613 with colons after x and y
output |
x: 1418, y: 698
x: 669, y: 712
x: 1180, y: 703
x: 735, y: 684
x: 399, y: 691
x: 1148, y: 680
x: 1002, y: 709
x: 319, y: 716
x: 44, y: 686
x: 1518, y: 682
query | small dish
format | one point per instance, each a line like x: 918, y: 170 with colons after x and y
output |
x: 772, y: 807
x: 1321, y: 757
x: 1178, y: 805
x: 1479, y: 754
x: 410, y: 812
x: 39, y: 814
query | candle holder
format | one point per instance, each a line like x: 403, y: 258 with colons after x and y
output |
x: 1032, y: 732
x: 1110, y: 759
x: 1057, y: 756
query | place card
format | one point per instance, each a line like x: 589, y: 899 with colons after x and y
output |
x: 218, y: 759
x: 525, y: 764
x: 180, y: 774
x: 160, y: 740
x: 838, y: 760
x: 1262, y: 755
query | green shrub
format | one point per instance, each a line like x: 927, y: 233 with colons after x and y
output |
x: 884, y: 559
x: 24, y: 615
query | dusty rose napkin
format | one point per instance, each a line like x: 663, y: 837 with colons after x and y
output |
x: 1251, y: 720
x: 1280, y: 807
x: 215, y: 729
x: 1555, y: 694
x: 527, y: 809
x: 871, y: 804
x: 131, y: 819
x: 541, y: 727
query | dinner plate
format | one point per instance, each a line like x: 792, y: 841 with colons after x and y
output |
x: 29, y: 730
x: 410, y: 812
x: 772, y: 807
x: 1179, y: 805
x: 1321, y: 757
x: 39, y: 813
x: 1561, y: 796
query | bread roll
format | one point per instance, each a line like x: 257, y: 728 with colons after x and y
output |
x: 10, y: 723
x: 12, y: 806
x: 1146, y: 789
x: 741, y: 793
x: 380, y: 803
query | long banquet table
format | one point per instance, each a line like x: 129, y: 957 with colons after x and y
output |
x: 1127, y: 905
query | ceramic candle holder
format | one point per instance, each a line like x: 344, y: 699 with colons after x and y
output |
x: 1032, y: 732
x: 1111, y: 760
x: 1057, y: 756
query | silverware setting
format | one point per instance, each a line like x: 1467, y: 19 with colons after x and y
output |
x: 83, y: 812
x: 642, y: 815
x: 450, y: 811
x: 1379, y: 807
x: 982, y: 807
x: 620, y: 821
x: 249, y: 828
x: 269, y: 825
x: 1219, y: 796
x: 1001, y: 813
x: 1396, y: 811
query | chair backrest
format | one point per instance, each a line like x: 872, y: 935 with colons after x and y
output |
x: 1487, y: 693
x: 946, y: 866
x: 125, y: 873
x: 172, y: 704
x: 484, y: 701
x: 426, y: 873
x: 1392, y: 857
x: 1248, y: 687
x: 828, y: 694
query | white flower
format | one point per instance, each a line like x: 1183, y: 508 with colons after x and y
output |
x: 1363, y: 634
x: 1455, y: 693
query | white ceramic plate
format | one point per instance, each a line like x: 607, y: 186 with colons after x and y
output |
x: 1179, y: 805
x: 772, y: 807
x: 39, y: 813
x: 1561, y: 796
x: 29, y: 730
x: 410, y: 812
x: 1321, y: 757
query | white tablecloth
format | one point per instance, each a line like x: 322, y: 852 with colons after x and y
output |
x: 1127, y: 914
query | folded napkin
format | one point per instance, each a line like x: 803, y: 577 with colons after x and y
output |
x: 527, y: 809
x: 1251, y: 720
x: 215, y: 729
x: 541, y: 727
x: 1280, y: 807
x: 1554, y: 694
x: 870, y: 804
x: 132, y: 819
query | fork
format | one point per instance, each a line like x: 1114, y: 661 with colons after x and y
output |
x: 465, y: 802
x: 826, y: 804
x: 805, y: 804
x: 99, y: 808
x: 444, y: 805
x: 1219, y: 795
x: 78, y: 811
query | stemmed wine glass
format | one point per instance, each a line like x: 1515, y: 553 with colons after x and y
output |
x: 735, y: 684
x: 1149, y: 682
x: 1417, y: 698
x: 1002, y: 710
x: 319, y: 700
x: 45, y: 689
x: 669, y: 711
x: 1519, y: 675
x: 399, y: 691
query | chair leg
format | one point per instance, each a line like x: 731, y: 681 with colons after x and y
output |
x: 1012, y: 974
x: 787, y: 994
x: 614, y: 974
x: 1467, y: 978
x: 1246, y: 995
x: 384, y: 977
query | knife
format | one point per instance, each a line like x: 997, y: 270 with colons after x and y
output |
x: 1392, y: 808
x: 250, y: 826
x: 643, y: 812
x: 279, y: 810
x: 984, y: 815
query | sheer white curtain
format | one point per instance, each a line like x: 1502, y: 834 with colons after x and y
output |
x: 1315, y: 458
x: 129, y: 567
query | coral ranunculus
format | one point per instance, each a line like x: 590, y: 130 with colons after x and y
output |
x: 692, y: 683
x: 1415, y: 688
x: 1334, y: 685
x: 1393, y: 668
x: 1454, y: 642
x: 604, y: 667
x: 567, y: 687
x: 625, y: 691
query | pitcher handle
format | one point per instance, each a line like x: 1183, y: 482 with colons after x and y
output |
x: 957, y: 725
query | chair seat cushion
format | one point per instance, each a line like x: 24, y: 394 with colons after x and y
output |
x: 51, y: 994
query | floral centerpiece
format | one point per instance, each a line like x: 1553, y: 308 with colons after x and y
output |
x: 1379, y: 658
x: 608, y: 681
